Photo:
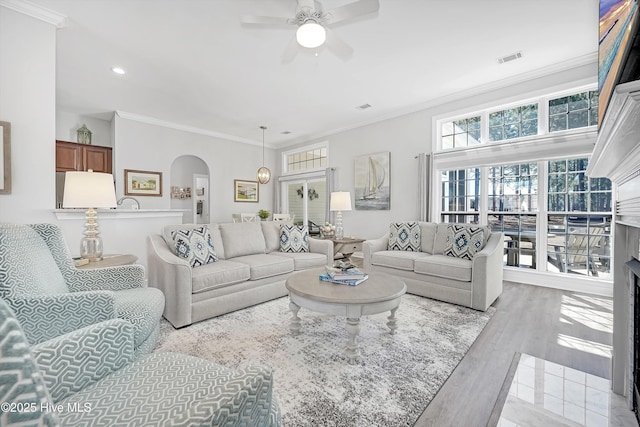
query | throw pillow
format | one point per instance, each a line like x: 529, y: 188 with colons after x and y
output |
x: 404, y: 236
x: 194, y: 245
x: 464, y: 241
x: 294, y: 238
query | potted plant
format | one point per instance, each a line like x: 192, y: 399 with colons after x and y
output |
x: 263, y: 214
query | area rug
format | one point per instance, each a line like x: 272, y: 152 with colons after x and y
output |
x: 395, y: 379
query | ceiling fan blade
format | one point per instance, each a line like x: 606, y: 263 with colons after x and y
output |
x: 265, y: 20
x: 352, y: 10
x: 291, y: 51
x: 337, y: 46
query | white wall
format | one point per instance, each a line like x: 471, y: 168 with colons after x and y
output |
x: 406, y: 136
x: 67, y: 125
x: 27, y: 100
x: 149, y: 147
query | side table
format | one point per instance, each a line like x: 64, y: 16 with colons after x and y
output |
x: 345, y: 246
x: 110, y: 261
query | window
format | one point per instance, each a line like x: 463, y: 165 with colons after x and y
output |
x: 460, y: 195
x: 461, y: 133
x: 513, y: 123
x: 561, y: 113
x: 574, y: 111
x: 312, y: 158
x: 579, y: 220
x: 512, y: 205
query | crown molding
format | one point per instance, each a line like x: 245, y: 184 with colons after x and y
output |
x: 35, y: 11
x: 177, y: 126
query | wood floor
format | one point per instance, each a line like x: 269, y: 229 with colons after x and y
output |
x: 547, y: 323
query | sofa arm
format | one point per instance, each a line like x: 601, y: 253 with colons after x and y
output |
x: 114, y: 278
x: 369, y: 247
x: 71, y: 362
x: 322, y: 246
x: 486, y: 280
x: 46, y: 317
x: 172, y: 275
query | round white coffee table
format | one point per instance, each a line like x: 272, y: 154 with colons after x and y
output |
x: 379, y: 293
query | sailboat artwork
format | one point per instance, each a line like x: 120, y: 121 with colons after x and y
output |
x: 372, y: 182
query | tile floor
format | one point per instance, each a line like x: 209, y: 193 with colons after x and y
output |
x: 543, y: 393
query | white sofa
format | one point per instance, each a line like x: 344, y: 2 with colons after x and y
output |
x: 472, y: 283
x: 250, y: 269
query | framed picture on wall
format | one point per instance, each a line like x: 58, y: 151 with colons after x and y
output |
x: 245, y: 191
x: 372, y: 189
x: 142, y: 183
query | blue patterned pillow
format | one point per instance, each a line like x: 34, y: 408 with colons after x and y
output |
x: 294, y: 238
x: 195, y: 245
x: 404, y: 236
x: 464, y: 241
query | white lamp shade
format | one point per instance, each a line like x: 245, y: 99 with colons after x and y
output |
x: 340, y: 201
x: 89, y: 190
x: 310, y: 35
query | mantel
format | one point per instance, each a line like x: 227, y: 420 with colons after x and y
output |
x: 617, y: 151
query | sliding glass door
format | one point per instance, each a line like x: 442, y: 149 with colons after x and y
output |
x: 306, y: 201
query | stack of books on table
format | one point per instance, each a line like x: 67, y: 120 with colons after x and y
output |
x: 350, y: 276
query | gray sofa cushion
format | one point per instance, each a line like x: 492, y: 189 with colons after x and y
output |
x: 304, y: 260
x: 445, y: 266
x: 271, y: 231
x: 266, y: 265
x: 428, y: 236
x: 242, y: 238
x: 217, y: 275
x: 402, y: 260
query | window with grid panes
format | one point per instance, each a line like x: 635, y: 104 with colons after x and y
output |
x: 310, y: 159
x: 512, y: 209
x: 579, y: 220
x: 573, y: 111
x: 461, y: 133
x: 460, y: 195
x: 513, y: 122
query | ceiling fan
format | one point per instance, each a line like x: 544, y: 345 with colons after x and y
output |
x: 314, y: 24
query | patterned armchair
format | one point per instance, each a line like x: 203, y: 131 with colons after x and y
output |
x: 91, y: 377
x: 51, y: 297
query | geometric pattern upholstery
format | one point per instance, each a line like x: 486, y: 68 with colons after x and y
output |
x: 174, y: 389
x: 93, y: 370
x: 20, y: 381
x: 65, y: 362
x: 57, y: 298
x: 195, y: 245
x: 464, y: 241
x: 404, y: 236
x: 294, y: 238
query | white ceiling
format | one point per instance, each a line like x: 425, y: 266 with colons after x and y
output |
x: 193, y: 63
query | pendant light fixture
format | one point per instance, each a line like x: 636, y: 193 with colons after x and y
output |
x: 264, y: 174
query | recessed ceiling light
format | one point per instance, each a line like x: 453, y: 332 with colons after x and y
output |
x: 117, y: 70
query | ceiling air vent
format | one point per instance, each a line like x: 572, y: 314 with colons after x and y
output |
x: 285, y: 132
x: 363, y: 106
x: 509, y: 58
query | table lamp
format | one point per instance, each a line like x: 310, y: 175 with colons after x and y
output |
x: 89, y: 190
x: 340, y: 201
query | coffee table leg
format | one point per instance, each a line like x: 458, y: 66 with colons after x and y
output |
x: 295, y: 326
x: 393, y: 322
x: 353, y: 329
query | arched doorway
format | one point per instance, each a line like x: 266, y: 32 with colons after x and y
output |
x: 190, y: 189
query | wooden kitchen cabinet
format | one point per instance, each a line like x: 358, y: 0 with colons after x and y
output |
x: 71, y: 156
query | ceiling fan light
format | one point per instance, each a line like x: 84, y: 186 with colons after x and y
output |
x: 311, y: 34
